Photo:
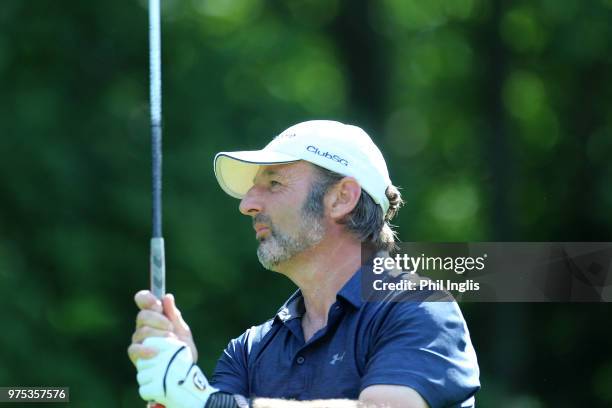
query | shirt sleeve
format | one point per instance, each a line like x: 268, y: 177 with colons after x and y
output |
x: 231, y: 372
x: 425, y: 346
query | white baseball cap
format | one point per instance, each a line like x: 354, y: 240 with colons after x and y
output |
x: 344, y: 149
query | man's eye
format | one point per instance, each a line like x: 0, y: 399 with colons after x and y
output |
x: 274, y: 183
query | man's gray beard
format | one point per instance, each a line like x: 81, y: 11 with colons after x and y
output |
x: 279, y: 247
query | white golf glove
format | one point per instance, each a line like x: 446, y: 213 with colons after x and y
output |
x: 171, y: 377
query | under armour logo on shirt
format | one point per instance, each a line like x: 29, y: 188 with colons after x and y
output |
x: 337, y: 357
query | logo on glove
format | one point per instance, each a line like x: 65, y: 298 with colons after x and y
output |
x: 199, y: 381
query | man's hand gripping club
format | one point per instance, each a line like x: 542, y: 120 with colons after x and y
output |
x: 158, y: 320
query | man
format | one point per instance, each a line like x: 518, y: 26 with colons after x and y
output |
x: 317, y: 194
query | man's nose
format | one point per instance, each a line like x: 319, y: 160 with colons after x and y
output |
x: 251, y: 202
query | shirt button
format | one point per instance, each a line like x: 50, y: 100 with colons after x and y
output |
x: 300, y: 360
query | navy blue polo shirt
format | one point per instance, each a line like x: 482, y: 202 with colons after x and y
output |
x: 422, y: 345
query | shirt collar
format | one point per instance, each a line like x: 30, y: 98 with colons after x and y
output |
x: 294, y: 306
x: 351, y: 291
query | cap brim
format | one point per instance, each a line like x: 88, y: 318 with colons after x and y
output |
x: 235, y: 171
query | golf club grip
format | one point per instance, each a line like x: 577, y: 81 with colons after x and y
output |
x: 158, y: 279
x: 158, y: 268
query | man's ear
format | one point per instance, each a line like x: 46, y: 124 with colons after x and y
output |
x: 342, y: 198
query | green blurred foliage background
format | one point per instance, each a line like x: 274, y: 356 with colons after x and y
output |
x: 495, y: 118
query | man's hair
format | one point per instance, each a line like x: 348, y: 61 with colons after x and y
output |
x: 366, y: 220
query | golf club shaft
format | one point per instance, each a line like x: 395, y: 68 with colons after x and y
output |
x: 157, y: 242
x: 157, y: 258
